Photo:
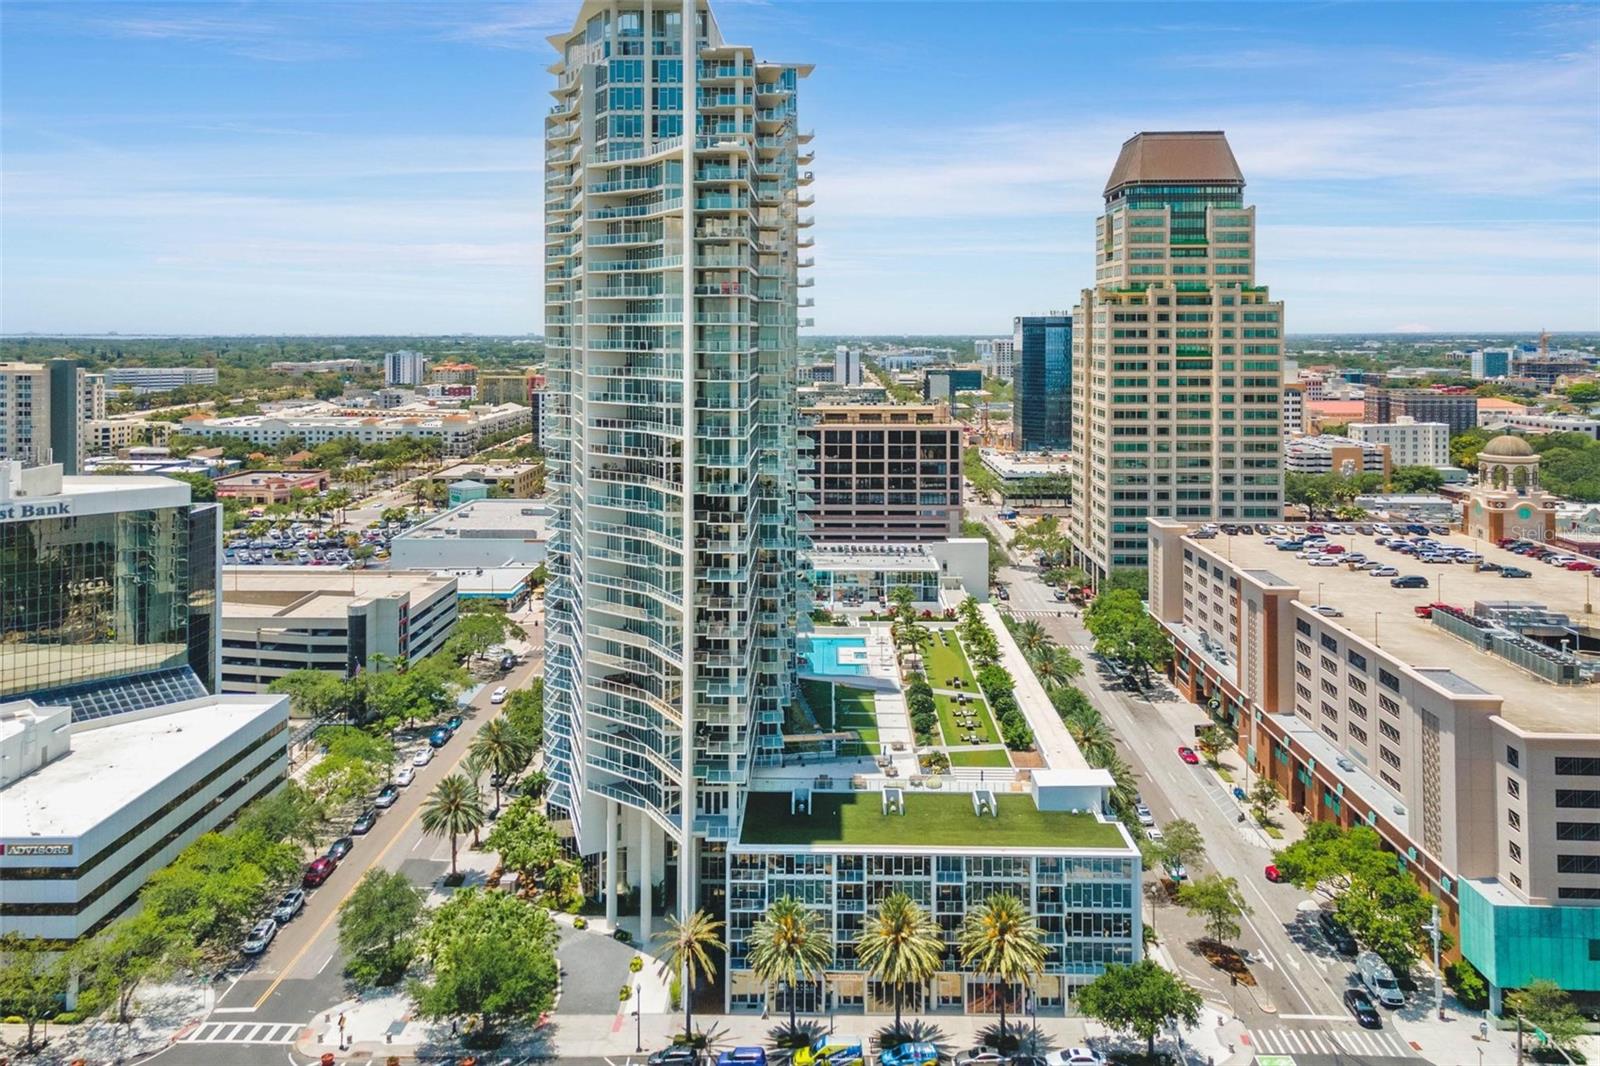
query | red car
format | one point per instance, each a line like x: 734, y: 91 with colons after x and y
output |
x: 1580, y: 565
x: 1272, y: 873
x: 318, y: 872
x: 1188, y: 756
x: 1333, y: 549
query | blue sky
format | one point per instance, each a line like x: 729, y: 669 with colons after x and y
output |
x: 375, y: 167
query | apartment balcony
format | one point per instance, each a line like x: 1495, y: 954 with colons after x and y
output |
x: 626, y: 266
x: 619, y: 153
x: 627, y: 292
x: 733, y: 142
x: 806, y: 177
x: 804, y: 221
x: 601, y: 188
x: 724, y: 98
x: 806, y: 263
x: 564, y: 154
x: 705, y: 72
x: 656, y: 318
x: 806, y: 158
x: 661, y: 206
x: 565, y: 131
x: 724, y: 231
x: 601, y: 240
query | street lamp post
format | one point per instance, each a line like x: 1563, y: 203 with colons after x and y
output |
x: 638, y: 1020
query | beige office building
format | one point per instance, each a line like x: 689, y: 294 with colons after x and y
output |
x: 1177, y: 365
x: 887, y: 472
x: 1469, y: 740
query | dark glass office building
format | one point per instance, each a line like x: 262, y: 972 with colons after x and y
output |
x: 1043, y: 412
x: 107, y: 605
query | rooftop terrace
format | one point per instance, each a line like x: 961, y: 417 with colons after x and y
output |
x: 931, y: 820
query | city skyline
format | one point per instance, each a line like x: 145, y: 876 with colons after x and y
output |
x: 254, y: 169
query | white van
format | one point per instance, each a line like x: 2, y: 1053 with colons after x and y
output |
x: 1379, y: 980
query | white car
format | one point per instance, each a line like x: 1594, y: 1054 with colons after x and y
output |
x: 260, y: 937
x: 1075, y: 1056
x: 498, y: 695
x: 1328, y: 612
x: 1155, y: 835
x: 423, y: 757
x: 1382, y: 530
x: 1324, y: 560
x: 405, y: 776
x: 1145, y: 817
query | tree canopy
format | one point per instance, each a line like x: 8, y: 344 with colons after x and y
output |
x: 488, y: 953
x: 1143, y: 999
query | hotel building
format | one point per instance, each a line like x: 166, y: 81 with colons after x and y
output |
x: 1177, y: 355
x: 1468, y: 739
x: 675, y: 186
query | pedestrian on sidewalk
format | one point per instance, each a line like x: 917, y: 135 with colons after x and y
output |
x: 341, y: 1030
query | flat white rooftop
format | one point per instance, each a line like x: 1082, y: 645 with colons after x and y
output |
x: 110, y: 765
x: 516, y: 519
x: 316, y: 591
x: 888, y: 557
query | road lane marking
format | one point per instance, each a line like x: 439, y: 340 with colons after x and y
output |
x: 1314, y: 1017
x: 378, y: 862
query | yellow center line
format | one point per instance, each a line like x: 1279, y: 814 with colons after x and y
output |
x: 295, y: 961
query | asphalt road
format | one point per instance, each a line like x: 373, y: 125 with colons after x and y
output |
x: 264, y: 1004
x: 1301, y: 980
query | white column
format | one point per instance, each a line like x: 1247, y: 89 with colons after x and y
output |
x: 646, y: 878
x: 612, y: 874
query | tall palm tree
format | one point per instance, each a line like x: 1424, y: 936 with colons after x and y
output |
x: 1092, y: 736
x: 789, y: 943
x: 1032, y: 639
x: 502, y: 750
x: 452, y: 808
x: 689, y: 944
x: 1056, y: 667
x: 900, y: 945
x: 999, y: 938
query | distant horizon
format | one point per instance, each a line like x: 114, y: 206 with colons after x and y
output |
x: 118, y: 334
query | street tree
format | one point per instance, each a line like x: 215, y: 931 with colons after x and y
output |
x: 119, y: 959
x: 1032, y: 639
x: 687, y: 947
x: 501, y: 749
x: 1143, y: 999
x: 1056, y: 667
x: 32, y: 977
x: 453, y: 807
x: 790, y: 944
x: 528, y: 845
x: 1211, y: 741
x: 1547, y: 1005
x: 488, y: 954
x: 1182, y: 842
x: 1264, y: 798
x: 1000, y: 939
x: 1218, y: 901
x: 376, y: 926
x: 1123, y: 630
x: 901, y: 946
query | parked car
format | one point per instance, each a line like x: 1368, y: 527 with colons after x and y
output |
x: 1328, y: 612
x: 498, y: 695
x: 1385, y: 571
x: 676, y: 1055
x: 364, y: 822
x: 1188, y: 755
x: 1075, y: 1056
x: 260, y: 935
x: 1409, y: 581
x: 1177, y: 871
x: 439, y: 737
x: 831, y: 1050
x: 340, y: 848
x: 423, y: 757
x: 320, y: 870
x: 1272, y: 873
x: 1360, y: 1005
x: 405, y: 775
x: 1145, y: 817
x: 453, y: 723
x: 1002, y: 594
x: 979, y: 1056
x: 508, y: 661
x: 743, y: 1056
x: 917, y: 1053
x: 386, y: 796
x: 1379, y: 980
x: 292, y: 903
x: 1515, y: 571
x: 1335, y: 933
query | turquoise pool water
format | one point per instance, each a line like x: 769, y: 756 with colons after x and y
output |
x: 822, y: 655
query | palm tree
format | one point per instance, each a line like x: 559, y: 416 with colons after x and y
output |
x: 900, y: 945
x: 789, y: 943
x: 689, y: 944
x: 500, y: 749
x: 1056, y: 667
x: 999, y: 938
x: 1093, y: 738
x: 1032, y: 639
x: 338, y: 499
x: 452, y: 808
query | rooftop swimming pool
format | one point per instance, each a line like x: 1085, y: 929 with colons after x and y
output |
x: 836, y: 655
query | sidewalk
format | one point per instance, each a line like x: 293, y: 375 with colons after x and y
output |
x: 162, y: 1013
x: 382, y: 1027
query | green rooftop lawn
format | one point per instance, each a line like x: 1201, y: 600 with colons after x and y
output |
x: 931, y: 820
x: 945, y: 660
x: 945, y: 707
x: 981, y: 757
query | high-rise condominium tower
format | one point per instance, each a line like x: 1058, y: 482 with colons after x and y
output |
x: 1177, y: 355
x: 673, y: 245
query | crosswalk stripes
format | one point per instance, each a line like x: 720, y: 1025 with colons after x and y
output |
x: 245, y: 1033
x: 1327, y: 1042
